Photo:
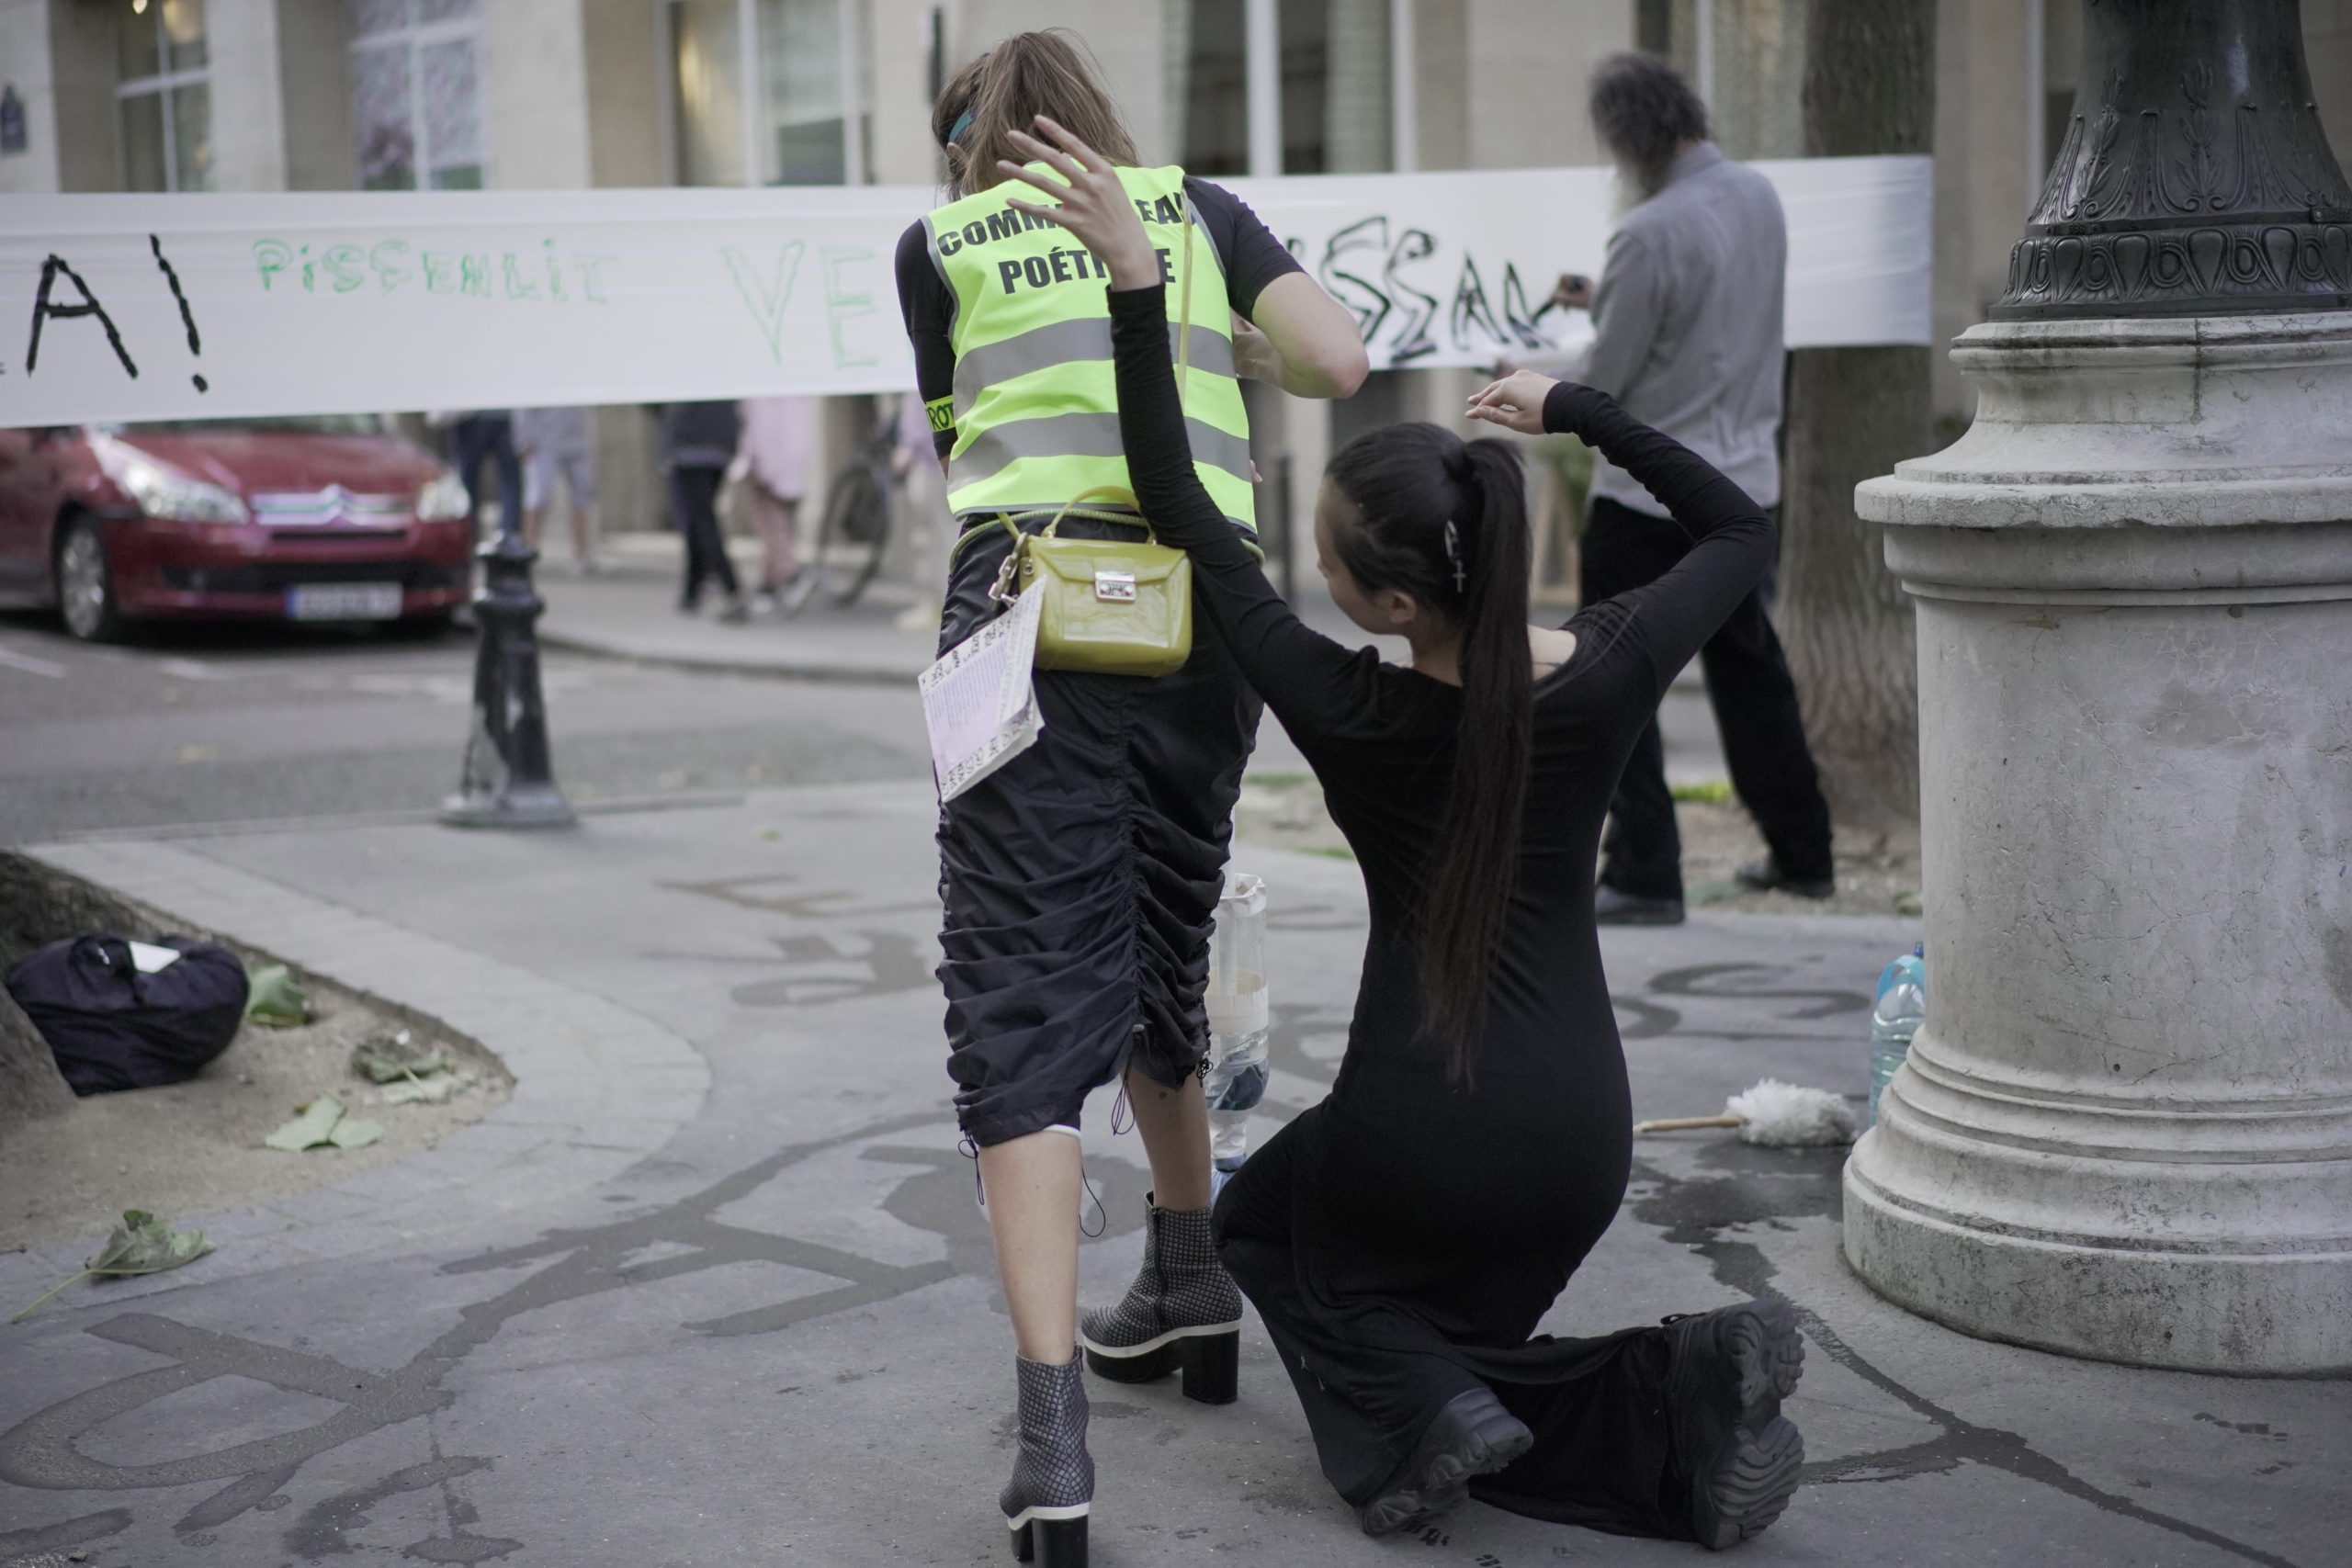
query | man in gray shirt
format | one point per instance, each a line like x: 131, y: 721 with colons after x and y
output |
x: 1687, y: 320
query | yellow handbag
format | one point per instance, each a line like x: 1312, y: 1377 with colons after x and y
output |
x: 1112, y: 606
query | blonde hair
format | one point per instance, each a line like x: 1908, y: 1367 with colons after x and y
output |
x: 1028, y: 75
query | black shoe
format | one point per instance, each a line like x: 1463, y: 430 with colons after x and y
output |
x: 1182, y: 1313
x: 1473, y: 1434
x: 1052, y: 1490
x: 1726, y: 1373
x: 1766, y: 876
x: 1610, y: 907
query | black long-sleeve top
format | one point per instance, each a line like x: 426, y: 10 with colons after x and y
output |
x: 1381, y: 737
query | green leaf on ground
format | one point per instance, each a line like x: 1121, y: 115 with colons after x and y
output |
x: 142, y: 1244
x: 313, y: 1126
x: 277, y: 998
x: 353, y: 1134
x: 396, y: 1057
x: 1710, y: 792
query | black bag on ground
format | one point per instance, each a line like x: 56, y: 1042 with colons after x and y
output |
x: 111, y: 1027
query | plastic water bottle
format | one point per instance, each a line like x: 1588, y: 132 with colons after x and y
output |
x: 1901, y: 1008
x: 1238, y: 1017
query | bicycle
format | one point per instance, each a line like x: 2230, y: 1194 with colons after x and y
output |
x: 854, y: 531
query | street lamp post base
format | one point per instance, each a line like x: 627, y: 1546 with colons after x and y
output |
x: 2125, y: 1131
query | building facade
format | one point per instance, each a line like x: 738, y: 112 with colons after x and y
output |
x: 388, y: 94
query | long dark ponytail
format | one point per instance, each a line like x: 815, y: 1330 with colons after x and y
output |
x: 1445, y: 521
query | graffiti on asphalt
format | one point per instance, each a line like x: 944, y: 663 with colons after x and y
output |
x: 836, y: 963
x: 40, y: 1452
x: 1749, y: 1186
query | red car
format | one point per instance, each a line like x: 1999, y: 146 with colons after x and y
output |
x: 317, y: 519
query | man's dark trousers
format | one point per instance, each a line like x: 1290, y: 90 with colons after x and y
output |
x: 1756, y: 710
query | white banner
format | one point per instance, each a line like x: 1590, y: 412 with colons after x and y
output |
x: 177, y: 307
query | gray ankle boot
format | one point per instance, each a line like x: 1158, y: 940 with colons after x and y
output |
x: 1052, y: 1488
x: 1183, y: 1311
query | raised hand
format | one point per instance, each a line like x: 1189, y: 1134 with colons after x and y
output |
x: 1515, y: 402
x: 1092, y: 203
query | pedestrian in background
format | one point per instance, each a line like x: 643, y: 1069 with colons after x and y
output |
x: 1686, y: 323
x: 778, y: 445
x: 923, y: 505
x: 559, y: 444
x: 480, y: 434
x: 698, y: 444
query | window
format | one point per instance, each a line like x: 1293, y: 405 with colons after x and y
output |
x: 416, y: 94
x: 1335, y: 109
x: 806, y: 125
x: 164, y: 96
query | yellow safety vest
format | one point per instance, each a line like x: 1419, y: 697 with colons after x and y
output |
x: 1035, y: 407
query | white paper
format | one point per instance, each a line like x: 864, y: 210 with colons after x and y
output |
x: 217, y: 304
x: 979, y: 702
x: 146, y: 957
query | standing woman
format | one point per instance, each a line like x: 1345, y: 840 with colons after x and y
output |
x: 1080, y: 880
x: 1403, y: 1238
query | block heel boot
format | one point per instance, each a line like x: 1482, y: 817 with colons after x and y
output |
x: 1052, y: 1490
x: 1727, y: 1371
x: 1181, y: 1315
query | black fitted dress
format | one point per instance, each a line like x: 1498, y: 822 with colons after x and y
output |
x: 1402, y: 1238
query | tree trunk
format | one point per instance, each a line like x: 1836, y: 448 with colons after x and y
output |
x: 30, y: 1083
x: 1853, y: 414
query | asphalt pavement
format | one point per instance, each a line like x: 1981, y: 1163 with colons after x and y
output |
x: 711, y: 1289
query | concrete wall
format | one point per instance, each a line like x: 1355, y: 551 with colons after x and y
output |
x: 25, y: 66
x: 82, y: 76
x: 535, y: 93
x: 1525, y: 63
x: 249, y: 141
x: 315, y: 90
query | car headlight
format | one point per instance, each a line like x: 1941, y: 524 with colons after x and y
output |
x: 443, y: 500
x: 160, y: 492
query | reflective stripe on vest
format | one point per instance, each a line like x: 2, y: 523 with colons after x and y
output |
x: 1036, y: 402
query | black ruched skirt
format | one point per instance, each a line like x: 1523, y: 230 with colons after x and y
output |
x: 1080, y: 881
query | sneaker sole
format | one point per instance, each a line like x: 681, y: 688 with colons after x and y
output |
x: 1756, y: 1475
x: 1753, y: 1484
x: 1440, y: 1481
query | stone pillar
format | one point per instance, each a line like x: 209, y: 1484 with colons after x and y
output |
x: 2126, y: 1131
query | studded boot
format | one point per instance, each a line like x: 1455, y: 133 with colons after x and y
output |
x: 1052, y: 1488
x: 1182, y: 1312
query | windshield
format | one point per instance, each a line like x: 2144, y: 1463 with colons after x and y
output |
x: 306, y: 424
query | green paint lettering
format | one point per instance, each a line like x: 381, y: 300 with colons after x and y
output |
x: 517, y: 286
x: 343, y: 264
x: 386, y: 259
x: 845, y: 304
x: 272, y: 257
x: 441, y: 271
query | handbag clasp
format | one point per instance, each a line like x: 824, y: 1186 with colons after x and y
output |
x: 1116, y: 587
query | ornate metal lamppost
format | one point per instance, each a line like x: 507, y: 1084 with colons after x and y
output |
x: 508, y: 781
x: 2126, y: 1129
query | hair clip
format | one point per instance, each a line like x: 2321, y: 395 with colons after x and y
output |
x: 956, y: 133
x: 1453, y: 554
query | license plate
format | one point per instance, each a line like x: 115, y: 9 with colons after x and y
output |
x: 343, y: 602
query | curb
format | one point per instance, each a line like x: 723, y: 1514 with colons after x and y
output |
x: 783, y: 668
x: 597, y: 1087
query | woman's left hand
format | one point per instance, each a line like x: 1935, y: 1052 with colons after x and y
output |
x: 1092, y: 205
x: 1515, y: 402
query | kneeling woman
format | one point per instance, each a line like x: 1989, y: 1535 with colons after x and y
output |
x: 1403, y: 1238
